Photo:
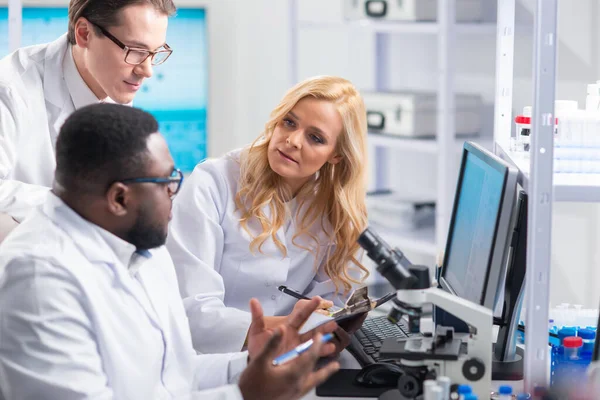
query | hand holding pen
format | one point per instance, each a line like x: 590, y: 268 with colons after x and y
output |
x: 324, y: 305
x: 290, y: 380
x: 300, y: 349
x: 262, y: 379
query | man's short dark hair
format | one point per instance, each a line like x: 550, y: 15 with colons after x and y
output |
x: 105, y: 13
x: 101, y: 144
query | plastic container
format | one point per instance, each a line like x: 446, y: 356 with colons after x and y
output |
x: 437, y: 393
x: 505, y: 392
x: 588, y: 337
x: 523, y: 131
x: 445, y: 382
x: 570, y: 366
x: 522, y: 139
x: 428, y: 392
x: 567, y: 315
x: 572, y: 347
x: 592, y: 101
x: 566, y: 332
x: 463, y: 391
x: 552, y: 326
x: 563, y: 109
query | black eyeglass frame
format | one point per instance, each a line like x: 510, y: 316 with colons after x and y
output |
x: 172, y: 179
x: 128, y: 49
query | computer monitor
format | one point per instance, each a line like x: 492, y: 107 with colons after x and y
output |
x: 481, y: 226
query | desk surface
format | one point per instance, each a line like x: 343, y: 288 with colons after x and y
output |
x: 348, y: 361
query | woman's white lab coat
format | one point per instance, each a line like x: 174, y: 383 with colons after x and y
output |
x: 218, y: 274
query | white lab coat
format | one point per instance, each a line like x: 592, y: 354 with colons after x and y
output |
x: 82, y: 316
x: 218, y: 274
x: 39, y: 88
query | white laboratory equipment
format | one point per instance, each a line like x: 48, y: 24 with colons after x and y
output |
x: 414, y: 114
x: 409, y: 10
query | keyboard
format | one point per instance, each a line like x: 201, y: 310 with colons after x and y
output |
x: 366, y: 341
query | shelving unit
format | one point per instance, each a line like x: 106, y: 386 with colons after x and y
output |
x: 445, y: 146
x: 566, y: 187
x: 426, y: 146
x: 370, y: 26
x: 535, y: 172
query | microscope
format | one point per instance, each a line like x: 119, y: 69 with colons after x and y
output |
x: 464, y: 361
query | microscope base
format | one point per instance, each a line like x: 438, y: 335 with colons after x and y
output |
x: 400, y: 349
x: 508, y: 370
x: 341, y: 384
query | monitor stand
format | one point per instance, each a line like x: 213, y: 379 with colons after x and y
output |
x: 507, y: 361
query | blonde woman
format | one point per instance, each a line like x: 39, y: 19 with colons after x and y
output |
x: 286, y: 210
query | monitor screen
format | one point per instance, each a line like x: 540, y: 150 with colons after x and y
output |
x: 477, y: 245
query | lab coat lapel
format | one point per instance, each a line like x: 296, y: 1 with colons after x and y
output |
x: 269, y: 246
x: 283, y: 263
x: 153, y: 284
x: 142, y: 295
x: 55, y: 88
x: 283, y: 237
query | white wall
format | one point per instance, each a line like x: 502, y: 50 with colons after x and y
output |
x: 249, y: 67
x: 251, y: 71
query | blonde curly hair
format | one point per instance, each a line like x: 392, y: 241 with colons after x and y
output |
x: 335, y: 198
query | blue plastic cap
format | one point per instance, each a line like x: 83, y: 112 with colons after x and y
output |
x: 470, y: 396
x: 587, y: 334
x: 505, y: 389
x: 464, y: 389
x: 566, y: 332
x: 523, y: 396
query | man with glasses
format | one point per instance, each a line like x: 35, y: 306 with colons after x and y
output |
x: 89, y: 303
x: 110, y: 48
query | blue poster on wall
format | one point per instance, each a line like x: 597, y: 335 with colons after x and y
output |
x: 177, y: 94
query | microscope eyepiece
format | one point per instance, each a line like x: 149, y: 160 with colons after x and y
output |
x: 377, y: 249
x: 392, y: 264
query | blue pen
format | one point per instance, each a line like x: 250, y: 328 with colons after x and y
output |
x: 290, y: 355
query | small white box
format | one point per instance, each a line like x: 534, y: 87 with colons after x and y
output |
x: 414, y: 114
x: 409, y: 10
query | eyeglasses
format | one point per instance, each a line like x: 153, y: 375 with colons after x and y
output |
x: 135, y: 56
x: 173, y: 182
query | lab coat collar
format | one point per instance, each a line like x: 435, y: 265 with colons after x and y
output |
x: 55, y: 88
x: 56, y: 91
x: 64, y: 87
x: 97, y: 244
x: 81, y: 94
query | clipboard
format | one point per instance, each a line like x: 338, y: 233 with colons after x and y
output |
x: 358, y: 303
